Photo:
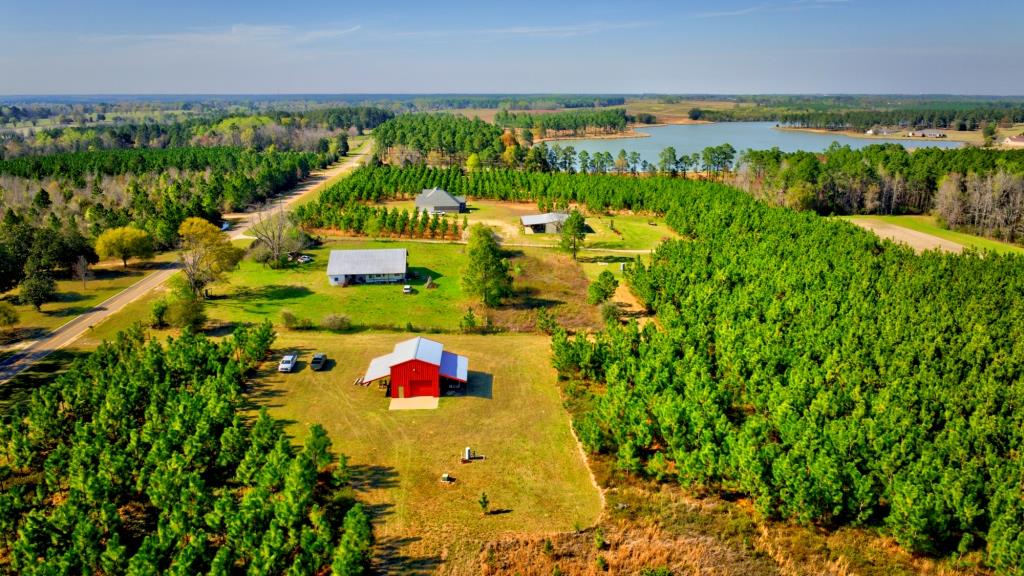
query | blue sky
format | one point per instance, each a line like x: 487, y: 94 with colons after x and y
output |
x: 731, y: 46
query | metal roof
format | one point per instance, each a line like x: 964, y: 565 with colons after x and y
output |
x: 386, y: 261
x: 451, y: 365
x: 549, y: 218
x: 454, y: 366
x: 437, y: 197
x: 417, y: 349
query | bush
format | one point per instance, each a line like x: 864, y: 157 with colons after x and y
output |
x: 602, y: 564
x: 8, y: 316
x: 546, y: 323
x: 468, y: 324
x: 158, y: 318
x: 187, y: 313
x: 293, y: 322
x: 336, y: 322
x: 603, y: 288
x: 610, y: 313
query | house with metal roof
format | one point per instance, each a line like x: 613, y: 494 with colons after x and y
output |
x: 367, y: 266
x: 416, y: 367
x: 438, y: 201
x: 550, y: 223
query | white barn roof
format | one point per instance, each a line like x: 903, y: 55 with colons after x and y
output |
x: 450, y: 365
x: 418, y: 349
x: 549, y: 218
x: 349, y: 262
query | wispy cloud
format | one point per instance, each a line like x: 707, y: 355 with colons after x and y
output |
x: 791, y: 6
x: 555, y: 31
x: 232, y: 35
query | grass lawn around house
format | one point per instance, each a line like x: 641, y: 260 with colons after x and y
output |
x: 928, y: 225
x: 533, y: 474
x: 255, y: 292
x: 72, y: 299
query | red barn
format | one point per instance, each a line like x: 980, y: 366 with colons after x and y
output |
x: 416, y: 368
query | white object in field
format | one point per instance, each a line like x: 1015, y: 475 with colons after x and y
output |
x: 469, y: 454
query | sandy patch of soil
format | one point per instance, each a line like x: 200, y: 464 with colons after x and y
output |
x: 919, y: 241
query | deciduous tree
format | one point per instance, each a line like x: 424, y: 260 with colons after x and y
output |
x: 124, y: 243
x: 206, y: 254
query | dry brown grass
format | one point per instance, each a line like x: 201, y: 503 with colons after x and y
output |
x: 676, y: 113
x: 549, y: 280
x: 629, y: 549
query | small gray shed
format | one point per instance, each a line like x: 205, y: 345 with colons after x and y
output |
x: 550, y: 223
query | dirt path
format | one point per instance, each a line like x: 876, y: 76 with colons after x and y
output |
x: 919, y: 241
x: 41, y: 347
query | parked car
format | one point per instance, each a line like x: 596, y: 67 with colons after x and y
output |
x: 319, y: 361
x: 407, y: 289
x: 305, y: 259
x: 288, y: 363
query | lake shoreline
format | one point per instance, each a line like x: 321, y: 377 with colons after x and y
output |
x: 863, y: 136
x: 693, y: 139
x: 629, y: 134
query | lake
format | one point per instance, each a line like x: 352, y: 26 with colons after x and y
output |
x: 690, y: 138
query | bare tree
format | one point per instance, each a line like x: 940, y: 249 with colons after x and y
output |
x: 270, y: 226
x: 81, y: 270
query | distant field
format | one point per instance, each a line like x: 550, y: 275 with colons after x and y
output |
x: 677, y: 112
x: 928, y: 225
x: 533, y: 472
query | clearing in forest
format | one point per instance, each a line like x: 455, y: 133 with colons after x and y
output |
x: 533, y: 474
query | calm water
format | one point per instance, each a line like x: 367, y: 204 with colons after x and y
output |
x: 690, y: 138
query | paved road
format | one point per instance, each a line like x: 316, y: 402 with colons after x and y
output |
x: 45, y: 345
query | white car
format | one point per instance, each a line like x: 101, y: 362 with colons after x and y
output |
x: 287, y: 363
x: 305, y: 259
x: 407, y: 289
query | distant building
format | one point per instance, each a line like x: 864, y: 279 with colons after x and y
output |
x: 550, y: 223
x: 1014, y: 141
x: 367, y: 266
x: 930, y: 133
x: 416, y: 367
x: 882, y: 131
x: 437, y: 201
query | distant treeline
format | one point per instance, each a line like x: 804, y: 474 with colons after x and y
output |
x: 310, y: 131
x: 973, y: 189
x: 576, y: 122
x: 515, y: 102
x: 952, y: 117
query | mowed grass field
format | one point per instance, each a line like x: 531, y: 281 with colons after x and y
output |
x: 533, y: 474
x: 72, y: 299
x: 928, y: 225
x: 255, y: 292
